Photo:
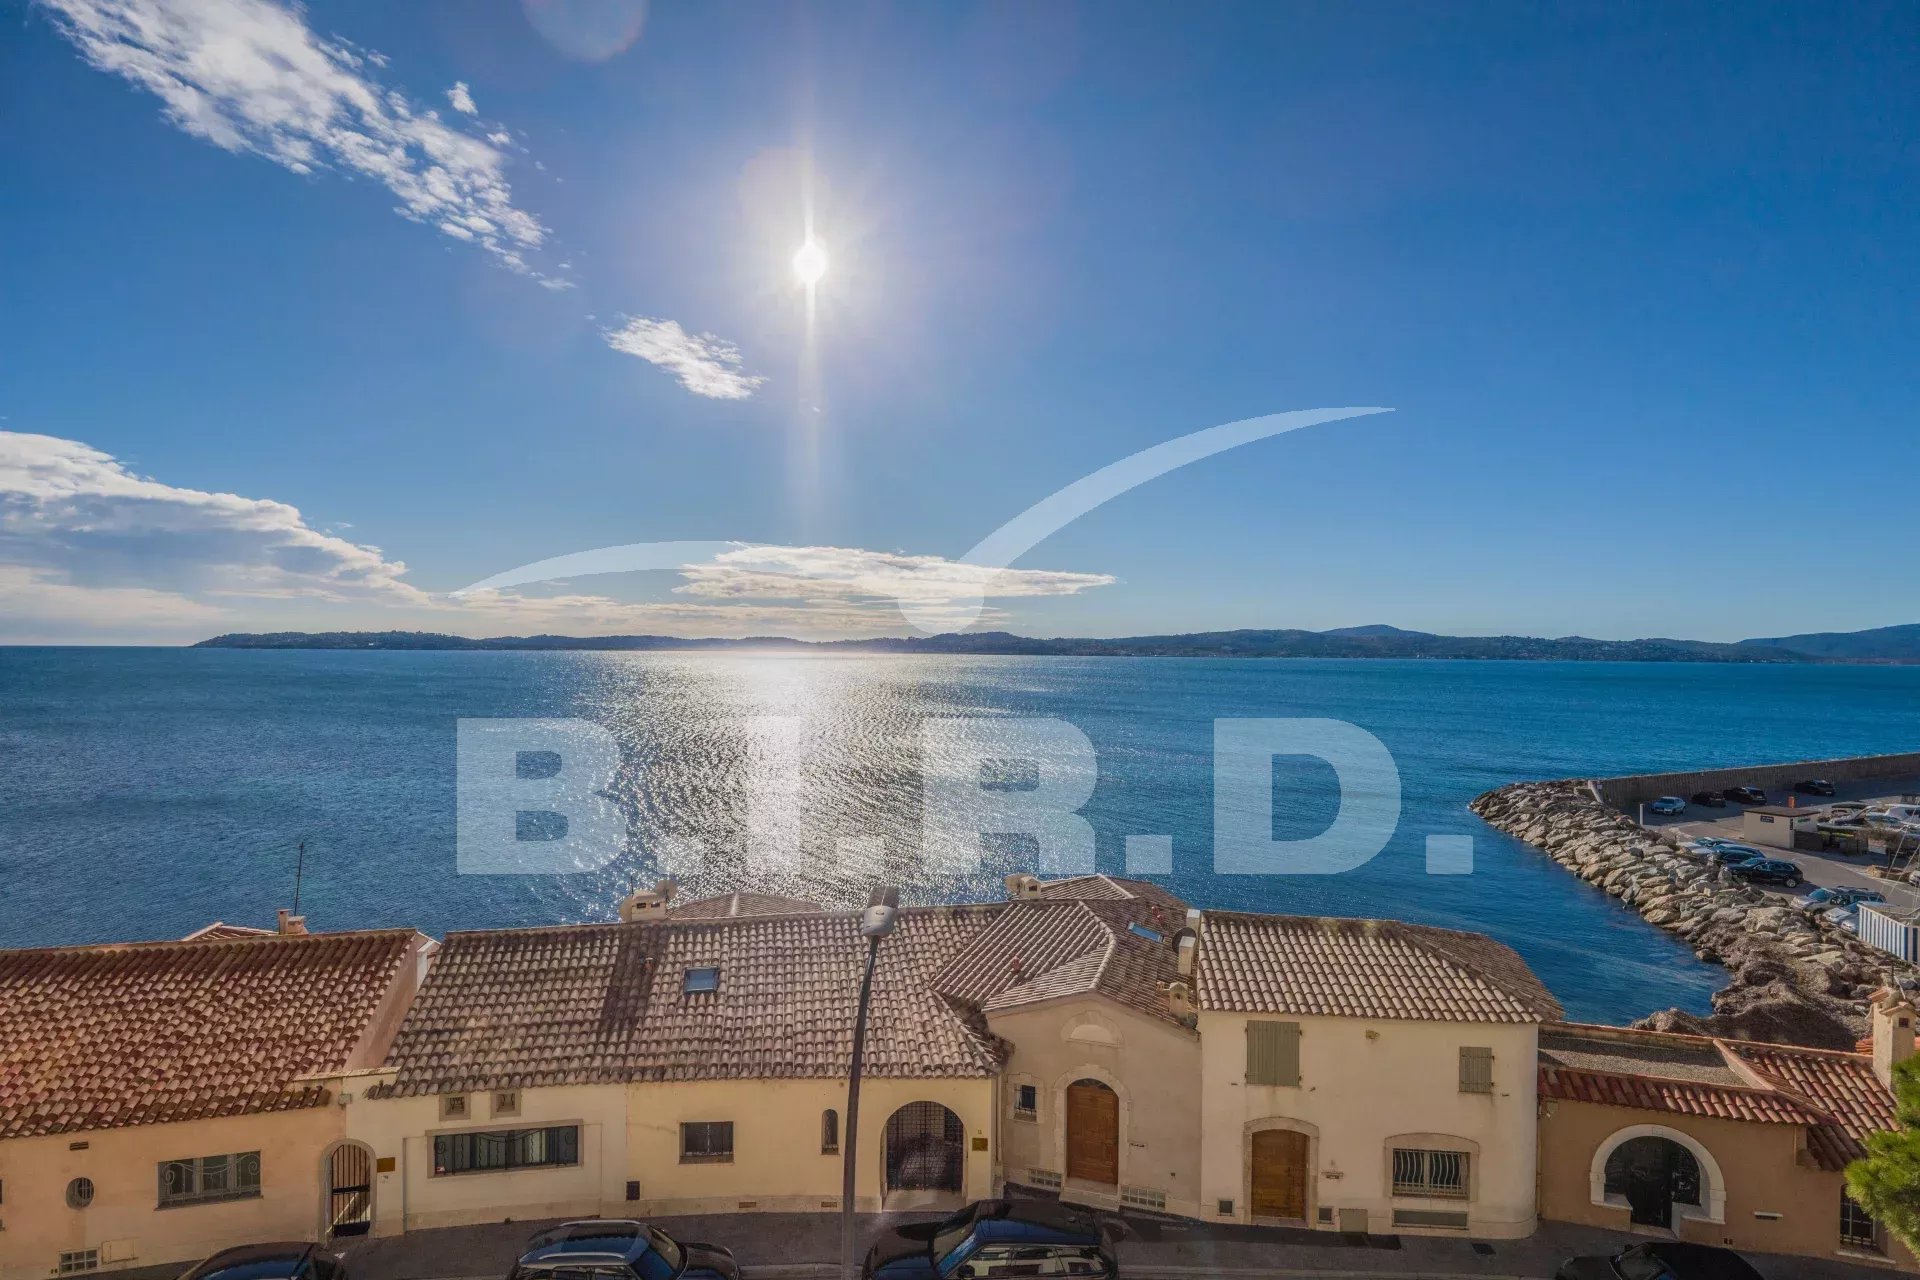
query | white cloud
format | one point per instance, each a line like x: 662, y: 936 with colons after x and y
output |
x: 462, y: 100
x: 500, y: 138
x: 250, y: 76
x: 705, y: 365
x: 90, y: 549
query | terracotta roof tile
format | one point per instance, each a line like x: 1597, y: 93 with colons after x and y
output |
x: 1095, y: 888
x: 1681, y: 1097
x: 1840, y: 1084
x: 742, y: 904
x: 1364, y: 968
x: 149, y: 1033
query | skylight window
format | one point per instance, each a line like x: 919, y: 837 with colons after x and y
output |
x: 701, y: 980
x: 1145, y: 932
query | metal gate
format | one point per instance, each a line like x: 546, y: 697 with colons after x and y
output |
x: 350, y: 1191
x: 926, y: 1149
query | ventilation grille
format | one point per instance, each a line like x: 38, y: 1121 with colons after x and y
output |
x: 1044, y: 1178
x: 1429, y: 1218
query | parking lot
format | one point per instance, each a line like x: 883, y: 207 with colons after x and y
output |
x: 1824, y: 869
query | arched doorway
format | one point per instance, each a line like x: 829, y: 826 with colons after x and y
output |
x: 926, y: 1149
x: 1093, y: 1133
x: 1279, y: 1174
x: 349, y: 1176
x: 1653, y: 1174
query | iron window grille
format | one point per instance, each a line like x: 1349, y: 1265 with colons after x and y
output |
x: 208, y: 1179
x: 1858, y: 1230
x: 79, y: 1193
x: 706, y: 1142
x: 79, y: 1260
x: 1026, y: 1102
x: 501, y: 1149
x: 829, y: 1132
x: 1440, y: 1175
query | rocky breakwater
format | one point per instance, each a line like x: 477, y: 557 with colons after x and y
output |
x: 1793, y: 979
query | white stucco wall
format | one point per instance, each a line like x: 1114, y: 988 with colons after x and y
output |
x: 1364, y: 1083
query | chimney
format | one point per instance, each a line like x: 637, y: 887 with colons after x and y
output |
x: 1183, y: 951
x: 1022, y: 886
x: 290, y: 923
x: 1892, y: 1018
x: 648, y: 904
x: 1180, y: 1002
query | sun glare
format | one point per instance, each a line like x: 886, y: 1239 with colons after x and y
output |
x: 810, y: 263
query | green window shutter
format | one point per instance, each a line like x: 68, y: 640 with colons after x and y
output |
x: 1476, y: 1070
x: 1273, y: 1053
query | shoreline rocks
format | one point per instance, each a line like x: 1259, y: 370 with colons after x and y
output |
x: 1793, y: 980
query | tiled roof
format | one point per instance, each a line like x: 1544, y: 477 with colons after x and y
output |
x: 742, y: 904
x: 147, y: 1033
x: 221, y: 931
x: 1365, y: 969
x: 1065, y: 948
x: 1094, y: 888
x: 598, y: 1003
x: 1835, y: 1095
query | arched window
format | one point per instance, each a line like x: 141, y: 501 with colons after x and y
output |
x: 829, y: 1132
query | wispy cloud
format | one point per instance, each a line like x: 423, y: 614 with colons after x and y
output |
x: 705, y: 365
x: 461, y: 99
x: 250, y: 76
x: 91, y: 549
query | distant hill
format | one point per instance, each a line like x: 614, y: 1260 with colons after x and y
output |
x: 1881, y: 644
x: 1377, y: 641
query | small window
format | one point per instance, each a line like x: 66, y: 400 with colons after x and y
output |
x: 1225, y: 1208
x: 1026, y: 1102
x: 506, y: 1102
x: 706, y: 1142
x: 1858, y: 1230
x: 79, y: 1193
x: 1437, y: 1174
x: 1273, y: 1053
x: 453, y: 1106
x: 1476, y: 1069
x: 205, y: 1179
x: 491, y: 1152
x: 829, y: 1132
x: 79, y: 1260
x: 697, y: 980
x: 1140, y: 930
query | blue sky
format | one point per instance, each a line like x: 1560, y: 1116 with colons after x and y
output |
x: 1640, y: 284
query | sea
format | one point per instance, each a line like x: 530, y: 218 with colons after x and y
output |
x: 147, y: 792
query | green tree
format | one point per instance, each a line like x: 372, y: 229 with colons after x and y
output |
x: 1886, y: 1181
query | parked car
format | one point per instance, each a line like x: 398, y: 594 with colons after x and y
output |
x: 1768, y: 871
x: 1731, y: 855
x: 1661, y: 1260
x: 1712, y: 799
x: 1668, y: 805
x: 1814, y: 787
x: 1846, y: 918
x: 287, y: 1260
x: 1703, y: 843
x: 1745, y: 795
x: 1820, y: 900
x: 619, y: 1249
x: 997, y: 1238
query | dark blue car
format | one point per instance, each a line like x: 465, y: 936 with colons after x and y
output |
x: 292, y: 1260
x: 619, y: 1249
x: 996, y: 1238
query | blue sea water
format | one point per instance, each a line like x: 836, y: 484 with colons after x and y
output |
x: 145, y: 792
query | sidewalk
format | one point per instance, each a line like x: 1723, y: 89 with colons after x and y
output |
x: 803, y: 1246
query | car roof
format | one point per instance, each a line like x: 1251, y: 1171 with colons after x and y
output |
x: 620, y: 1238
x: 256, y: 1261
x: 1007, y: 1217
x: 1701, y: 1261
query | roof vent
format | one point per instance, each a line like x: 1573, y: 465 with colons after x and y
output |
x: 1184, y: 947
x: 1180, y: 1002
x: 291, y: 923
x: 649, y: 904
x: 1022, y: 886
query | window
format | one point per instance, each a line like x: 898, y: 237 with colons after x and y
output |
x: 697, y: 980
x: 506, y: 1102
x: 453, y: 1106
x: 706, y: 1142
x: 210, y: 1178
x: 1141, y: 931
x: 1858, y: 1230
x: 501, y: 1149
x: 1026, y: 1102
x: 829, y: 1133
x: 1273, y: 1053
x: 1476, y: 1070
x: 79, y: 1260
x: 79, y: 1193
x: 1439, y: 1174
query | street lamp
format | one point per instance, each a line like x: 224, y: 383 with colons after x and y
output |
x: 875, y: 923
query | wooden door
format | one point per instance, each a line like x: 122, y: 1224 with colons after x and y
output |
x: 1279, y: 1174
x: 1093, y: 1132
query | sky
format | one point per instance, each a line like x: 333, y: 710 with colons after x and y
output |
x: 314, y: 316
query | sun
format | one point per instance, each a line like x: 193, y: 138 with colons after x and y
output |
x: 810, y: 263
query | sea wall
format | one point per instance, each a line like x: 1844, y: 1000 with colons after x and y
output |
x: 1624, y: 793
x: 1793, y: 979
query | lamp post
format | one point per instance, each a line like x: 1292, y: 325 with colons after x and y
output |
x: 875, y: 923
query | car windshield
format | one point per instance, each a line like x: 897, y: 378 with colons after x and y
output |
x: 666, y: 1253
x: 952, y: 1233
x: 1639, y: 1264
